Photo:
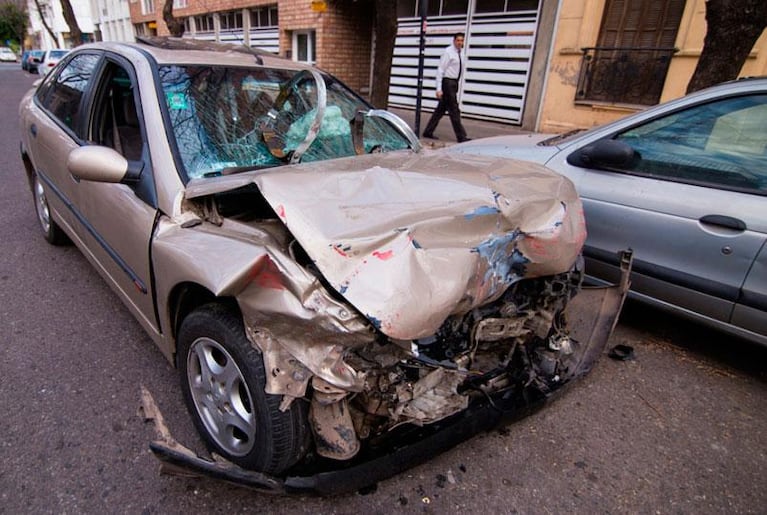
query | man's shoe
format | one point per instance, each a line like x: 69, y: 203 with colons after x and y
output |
x: 464, y: 139
x: 429, y: 135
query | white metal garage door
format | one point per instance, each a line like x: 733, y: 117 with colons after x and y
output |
x: 499, y: 50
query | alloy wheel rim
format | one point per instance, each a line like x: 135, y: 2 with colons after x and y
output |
x: 43, y: 213
x: 221, y: 396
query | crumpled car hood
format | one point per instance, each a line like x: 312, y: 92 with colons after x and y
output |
x: 409, y: 239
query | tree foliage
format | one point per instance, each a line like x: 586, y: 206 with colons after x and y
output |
x: 733, y: 28
x: 13, y: 22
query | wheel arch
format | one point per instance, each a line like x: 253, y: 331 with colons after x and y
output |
x: 29, y: 168
x: 186, y: 297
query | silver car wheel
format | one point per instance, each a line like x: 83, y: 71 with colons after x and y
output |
x: 41, y: 205
x: 221, y: 396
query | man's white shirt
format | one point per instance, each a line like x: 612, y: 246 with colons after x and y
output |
x: 449, y: 65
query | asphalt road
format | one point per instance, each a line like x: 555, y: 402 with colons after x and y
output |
x: 680, y: 429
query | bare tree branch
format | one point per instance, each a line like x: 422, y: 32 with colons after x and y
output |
x: 45, y: 23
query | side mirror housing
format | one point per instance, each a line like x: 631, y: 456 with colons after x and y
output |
x: 102, y: 164
x: 606, y: 153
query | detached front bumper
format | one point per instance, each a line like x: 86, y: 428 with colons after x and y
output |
x: 592, y: 316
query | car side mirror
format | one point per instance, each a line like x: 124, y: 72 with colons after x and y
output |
x: 102, y: 164
x: 36, y: 60
x: 605, y: 153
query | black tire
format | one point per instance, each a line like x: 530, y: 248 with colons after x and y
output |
x: 238, y: 420
x: 52, y: 233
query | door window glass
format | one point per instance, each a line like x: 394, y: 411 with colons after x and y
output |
x: 721, y: 144
x: 66, y: 90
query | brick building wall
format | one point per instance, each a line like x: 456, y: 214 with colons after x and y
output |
x: 343, y: 31
x: 344, y: 37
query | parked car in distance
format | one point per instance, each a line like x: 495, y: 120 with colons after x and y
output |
x: 49, y: 59
x: 684, y: 184
x: 7, y: 55
x: 30, y: 59
x: 339, y: 303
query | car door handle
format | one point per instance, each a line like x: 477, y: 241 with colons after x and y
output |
x: 33, y: 130
x: 727, y: 222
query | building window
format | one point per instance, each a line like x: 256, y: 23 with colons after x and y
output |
x: 180, y: 4
x: 262, y: 17
x: 204, y: 23
x: 187, y: 25
x: 139, y: 29
x: 501, y: 6
x: 231, y: 20
x: 147, y: 6
x: 636, y: 43
x: 304, y: 44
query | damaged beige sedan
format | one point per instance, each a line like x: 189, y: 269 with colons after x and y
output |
x: 340, y: 304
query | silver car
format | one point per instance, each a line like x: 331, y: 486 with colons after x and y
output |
x: 684, y: 184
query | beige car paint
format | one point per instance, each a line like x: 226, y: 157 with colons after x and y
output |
x: 408, y: 239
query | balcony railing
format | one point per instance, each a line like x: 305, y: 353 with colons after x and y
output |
x: 623, y: 75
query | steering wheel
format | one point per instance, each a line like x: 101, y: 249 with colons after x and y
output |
x: 273, y: 128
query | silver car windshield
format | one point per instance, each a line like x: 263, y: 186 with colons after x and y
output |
x: 227, y: 120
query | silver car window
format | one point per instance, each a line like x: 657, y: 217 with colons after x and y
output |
x: 721, y: 144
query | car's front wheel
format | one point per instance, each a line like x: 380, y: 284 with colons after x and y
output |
x: 51, y: 230
x: 223, y: 379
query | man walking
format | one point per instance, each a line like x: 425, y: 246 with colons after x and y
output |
x: 448, y: 74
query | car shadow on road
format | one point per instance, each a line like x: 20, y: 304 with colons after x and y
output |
x: 705, y: 342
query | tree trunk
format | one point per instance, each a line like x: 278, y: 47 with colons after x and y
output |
x: 733, y: 28
x: 385, y: 35
x: 45, y: 23
x: 75, y: 34
x: 175, y: 26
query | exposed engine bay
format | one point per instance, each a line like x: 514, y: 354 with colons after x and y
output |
x: 517, y: 341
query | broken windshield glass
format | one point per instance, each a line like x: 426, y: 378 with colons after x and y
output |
x: 228, y: 120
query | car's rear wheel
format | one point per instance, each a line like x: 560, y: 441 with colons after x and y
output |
x: 223, y: 378
x: 51, y: 230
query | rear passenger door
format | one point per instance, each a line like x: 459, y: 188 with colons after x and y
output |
x: 55, y: 127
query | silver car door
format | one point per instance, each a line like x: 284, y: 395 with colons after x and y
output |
x: 691, y: 204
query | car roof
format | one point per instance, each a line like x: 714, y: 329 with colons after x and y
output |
x: 189, y: 51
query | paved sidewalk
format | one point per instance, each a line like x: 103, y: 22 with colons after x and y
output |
x: 474, y: 128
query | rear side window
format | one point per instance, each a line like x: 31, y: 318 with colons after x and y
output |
x: 64, y: 94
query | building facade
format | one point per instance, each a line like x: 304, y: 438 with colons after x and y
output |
x: 610, y: 58
x: 50, y: 10
x: 112, y: 20
x: 547, y: 65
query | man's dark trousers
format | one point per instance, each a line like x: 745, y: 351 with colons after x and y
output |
x: 448, y: 102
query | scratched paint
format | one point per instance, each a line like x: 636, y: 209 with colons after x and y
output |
x: 482, y: 211
x: 505, y: 263
x: 383, y: 256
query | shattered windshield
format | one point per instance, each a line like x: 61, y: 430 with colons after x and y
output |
x: 227, y: 120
